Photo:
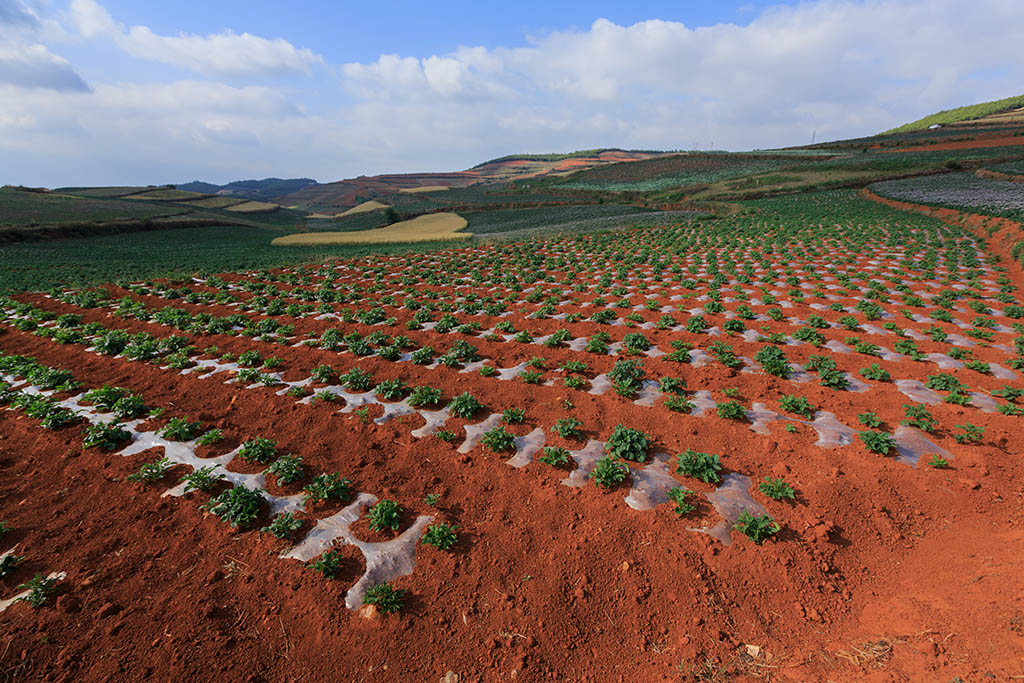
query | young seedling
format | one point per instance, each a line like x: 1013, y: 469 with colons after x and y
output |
x: 445, y: 435
x: 568, y: 428
x: 628, y: 444
x: 878, y: 442
x: 9, y: 563
x: 513, y: 416
x: 385, y: 598
x: 441, y: 535
x: 324, y: 487
x: 869, y: 420
x: 731, y: 410
x: 152, y: 471
x: 679, y: 495
x: 972, y: 433
x: 757, y: 529
x: 258, y: 450
x: 238, y: 506
x: 918, y: 416
x: 609, y: 472
x: 499, y: 439
x: 938, y: 462
x: 328, y: 564
x: 105, y: 435
x: 287, y: 469
x: 210, y: 436
x: 39, y: 588
x: 702, y: 466
x: 432, y: 499
x: 424, y: 396
x: 283, y: 525
x: 180, y: 429
x: 776, y: 489
x: 202, y: 479
x: 556, y: 457
x: 798, y: 405
x: 385, y: 515
x: 464, y: 405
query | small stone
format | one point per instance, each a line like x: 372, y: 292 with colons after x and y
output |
x: 450, y: 677
x: 370, y: 613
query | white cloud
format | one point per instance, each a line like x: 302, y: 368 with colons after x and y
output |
x: 33, y: 66
x: 227, y: 54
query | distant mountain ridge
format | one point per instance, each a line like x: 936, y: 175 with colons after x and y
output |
x: 266, y: 190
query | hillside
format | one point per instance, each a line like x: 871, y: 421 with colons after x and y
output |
x: 265, y: 190
x: 971, y: 112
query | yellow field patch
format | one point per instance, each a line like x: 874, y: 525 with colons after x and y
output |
x: 371, y: 205
x: 253, y: 207
x: 425, y: 188
x: 434, y: 226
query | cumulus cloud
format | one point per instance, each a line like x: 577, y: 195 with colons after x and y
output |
x: 227, y: 54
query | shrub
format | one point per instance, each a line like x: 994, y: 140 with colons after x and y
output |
x: 386, y: 598
x: 679, y: 495
x: 702, y: 466
x: 326, y: 486
x: 464, y: 405
x: 878, y: 442
x: 258, y: 450
x: 628, y: 444
x: 238, y: 506
x: 441, y: 535
x: 556, y: 457
x: 202, y: 479
x: 386, y: 514
x: 757, y: 529
x: 498, y: 439
x: 776, y: 489
x: 609, y: 472
x: 152, y: 471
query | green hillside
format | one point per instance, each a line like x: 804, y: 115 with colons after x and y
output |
x: 968, y: 113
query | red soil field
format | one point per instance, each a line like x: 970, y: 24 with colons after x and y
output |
x: 883, y: 568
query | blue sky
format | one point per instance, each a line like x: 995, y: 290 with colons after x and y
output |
x: 111, y: 91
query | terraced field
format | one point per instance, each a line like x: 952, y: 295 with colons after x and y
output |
x: 723, y: 448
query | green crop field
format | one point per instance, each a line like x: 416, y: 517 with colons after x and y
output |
x: 33, y: 208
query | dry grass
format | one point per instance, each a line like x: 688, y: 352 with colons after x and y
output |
x: 371, y: 205
x: 425, y: 188
x: 435, y: 226
x: 253, y: 207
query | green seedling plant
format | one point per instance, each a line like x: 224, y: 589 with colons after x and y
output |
x: 441, y: 535
x: 39, y: 588
x: 757, y: 529
x: 731, y: 410
x: 498, y: 439
x: 327, y: 564
x: 105, y: 435
x: 9, y: 563
x: 869, y: 419
x: 445, y: 435
x: 384, y: 515
x: 424, y: 396
x: 568, y: 428
x: 628, y: 444
x: 776, y: 489
x: 702, y: 466
x: 258, y: 450
x: 797, y: 405
x: 287, y: 468
x: 554, y: 456
x: 180, y: 429
x: 386, y: 598
x: 512, y: 416
x: 152, y: 472
x: 679, y: 495
x: 938, y: 462
x: 202, y: 479
x: 283, y: 525
x: 464, y: 405
x: 971, y: 433
x: 918, y: 416
x: 238, y: 506
x: 609, y: 472
x: 324, y: 487
x: 878, y: 442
